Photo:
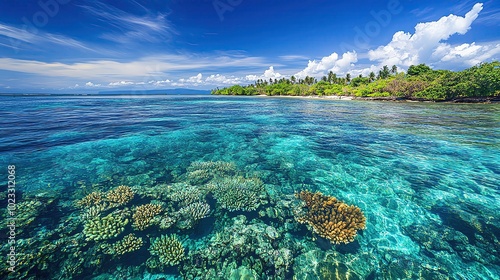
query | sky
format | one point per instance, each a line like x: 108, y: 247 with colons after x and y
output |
x: 88, y: 46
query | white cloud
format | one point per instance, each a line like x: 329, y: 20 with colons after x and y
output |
x: 160, y: 83
x: 138, y: 69
x: 196, y: 80
x: 464, y: 54
x: 91, y: 84
x: 121, y: 83
x: 329, y: 63
x: 221, y: 79
x: 128, y: 28
x: 268, y: 74
x: 407, y: 49
x: 293, y: 57
x: 13, y: 37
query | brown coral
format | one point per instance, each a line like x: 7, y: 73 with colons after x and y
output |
x: 120, y: 195
x: 330, y: 218
x: 144, y: 214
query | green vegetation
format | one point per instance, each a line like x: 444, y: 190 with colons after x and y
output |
x: 419, y: 83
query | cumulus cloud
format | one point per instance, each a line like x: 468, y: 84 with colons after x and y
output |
x: 160, y: 83
x: 221, y: 79
x: 121, y: 83
x: 268, y: 74
x: 194, y: 79
x: 333, y: 62
x: 407, y: 49
x: 91, y: 84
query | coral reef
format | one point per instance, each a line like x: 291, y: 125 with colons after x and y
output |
x: 91, y: 199
x: 159, y: 191
x: 93, y: 211
x: 192, y: 213
x: 184, y: 194
x: 168, y: 250
x: 239, y: 193
x: 104, y: 228
x: 330, y: 218
x: 144, y: 214
x: 120, y: 195
x: 128, y: 244
x: 255, y: 245
x: 201, y: 172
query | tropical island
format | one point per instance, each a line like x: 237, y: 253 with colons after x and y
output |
x: 480, y: 83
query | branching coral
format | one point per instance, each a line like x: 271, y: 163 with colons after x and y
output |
x: 185, y: 194
x: 104, y: 228
x: 330, y: 218
x: 201, y: 172
x: 120, y: 195
x: 168, y: 249
x: 192, y: 213
x: 144, y: 214
x: 91, y: 199
x: 238, y: 193
x: 93, y: 211
x: 128, y: 244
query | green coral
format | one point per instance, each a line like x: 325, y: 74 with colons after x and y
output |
x: 239, y: 193
x: 168, y: 249
x: 107, y: 227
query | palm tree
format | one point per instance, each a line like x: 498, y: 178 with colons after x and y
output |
x: 293, y: 79
x: 332, y: 78
x: 348, y: 78
x: 372, y: 77
x: 394, y: 69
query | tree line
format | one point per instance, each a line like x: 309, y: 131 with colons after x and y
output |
x: 420, y: 82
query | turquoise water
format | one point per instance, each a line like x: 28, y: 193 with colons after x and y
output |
x: 425, y: 175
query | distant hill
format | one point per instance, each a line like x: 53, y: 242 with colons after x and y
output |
x: 172, y: 91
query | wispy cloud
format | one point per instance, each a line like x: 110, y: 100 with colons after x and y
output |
x: 13, y: 37
x: 420, y: 12
x: 491, y: 17
x: 144, y: 68
x: 127, y: 27
x: 293, y: 57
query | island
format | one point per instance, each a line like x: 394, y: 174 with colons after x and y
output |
x: 480, y: 83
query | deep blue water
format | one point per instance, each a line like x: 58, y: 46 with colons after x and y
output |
x: 425, y: 175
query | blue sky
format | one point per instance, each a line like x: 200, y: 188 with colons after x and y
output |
x: 89, y: 45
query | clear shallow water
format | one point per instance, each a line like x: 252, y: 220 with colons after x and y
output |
x: 425, y: 175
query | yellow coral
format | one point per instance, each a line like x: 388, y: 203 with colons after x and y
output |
x: 331, y: 218
x: 128, y: 244
x: 144, y: 214
x: 120, y: 195
x: 168, y: 249
x: 91, y: 199
x: 104, y: 228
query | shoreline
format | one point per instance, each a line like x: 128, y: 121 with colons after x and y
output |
x: 483, y: 100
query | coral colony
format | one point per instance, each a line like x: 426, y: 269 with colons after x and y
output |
x: 252, y: 234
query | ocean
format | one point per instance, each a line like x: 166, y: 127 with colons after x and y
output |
x: 218, y: 187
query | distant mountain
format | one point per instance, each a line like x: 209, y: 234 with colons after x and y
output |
x: 172, y: 91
